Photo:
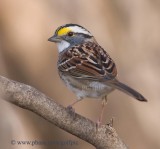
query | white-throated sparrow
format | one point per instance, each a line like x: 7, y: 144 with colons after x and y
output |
x: 85, y: 67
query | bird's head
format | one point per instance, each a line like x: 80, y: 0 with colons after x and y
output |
x: 69, y: 35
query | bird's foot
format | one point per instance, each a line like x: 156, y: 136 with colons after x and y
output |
x: 71, y: 110
x: 110, y: 124
x: 98, y: 124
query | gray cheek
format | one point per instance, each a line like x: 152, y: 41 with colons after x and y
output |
x: 77, y: 40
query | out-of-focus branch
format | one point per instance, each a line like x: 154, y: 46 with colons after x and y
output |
x: 31, y: 99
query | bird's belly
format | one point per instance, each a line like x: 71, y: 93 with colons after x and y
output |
x: 87, y: 88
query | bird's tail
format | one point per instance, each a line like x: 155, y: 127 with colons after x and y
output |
x: 128, y: 90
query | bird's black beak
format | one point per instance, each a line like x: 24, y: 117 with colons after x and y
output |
x: 54, y: 38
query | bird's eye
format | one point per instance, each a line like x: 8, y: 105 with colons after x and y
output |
x: 70, y: 34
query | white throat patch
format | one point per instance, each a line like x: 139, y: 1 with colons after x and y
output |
x: 63, y: 45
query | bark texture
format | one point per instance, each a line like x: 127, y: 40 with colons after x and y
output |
x: 29, y: 98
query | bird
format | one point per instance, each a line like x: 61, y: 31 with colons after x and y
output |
x: 85, y: 67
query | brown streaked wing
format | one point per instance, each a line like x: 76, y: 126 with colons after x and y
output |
x: 88, y: 61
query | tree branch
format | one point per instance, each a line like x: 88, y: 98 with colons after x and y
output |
x: 31, y: 99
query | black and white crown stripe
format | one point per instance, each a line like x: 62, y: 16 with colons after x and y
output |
x: 75, y: 28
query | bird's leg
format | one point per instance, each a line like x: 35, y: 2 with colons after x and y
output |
x: 73, y: 103
x: 104, y: 102
x: 70, y: 107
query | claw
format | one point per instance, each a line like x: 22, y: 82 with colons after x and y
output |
x: 111, y: 122
x: 98, y: 124
x: 71, y: 110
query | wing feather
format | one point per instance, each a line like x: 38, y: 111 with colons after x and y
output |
x: 87, y: 60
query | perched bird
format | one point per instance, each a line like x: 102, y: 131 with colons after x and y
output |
x: 85, y: 67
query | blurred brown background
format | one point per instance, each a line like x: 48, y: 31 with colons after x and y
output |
x: 128, y: 30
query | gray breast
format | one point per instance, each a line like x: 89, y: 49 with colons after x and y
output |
x: 86, y: 88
